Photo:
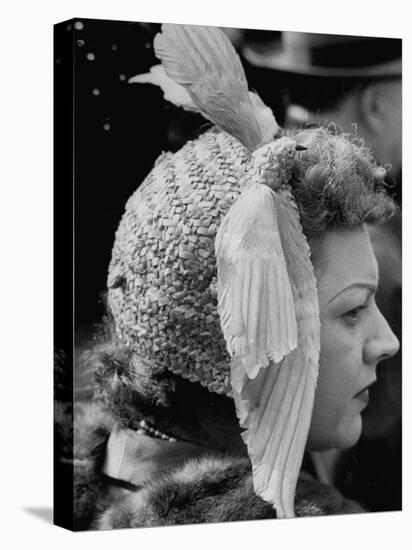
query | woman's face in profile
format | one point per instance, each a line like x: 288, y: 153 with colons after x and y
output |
x: 354, y: 337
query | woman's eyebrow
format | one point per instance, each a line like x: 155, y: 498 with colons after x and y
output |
x: 371, y: 287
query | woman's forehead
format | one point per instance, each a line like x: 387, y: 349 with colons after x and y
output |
x: 345, y: 259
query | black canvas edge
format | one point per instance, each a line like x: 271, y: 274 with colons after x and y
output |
x: 63, y: 248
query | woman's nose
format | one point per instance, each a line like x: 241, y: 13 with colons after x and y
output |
x: 382, y: 343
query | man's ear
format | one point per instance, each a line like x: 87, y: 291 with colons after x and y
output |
x: 371, y: 106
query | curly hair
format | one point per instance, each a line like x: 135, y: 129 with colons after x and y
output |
x: 337, y: 183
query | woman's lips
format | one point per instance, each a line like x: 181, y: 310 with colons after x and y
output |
x: 363, y: 396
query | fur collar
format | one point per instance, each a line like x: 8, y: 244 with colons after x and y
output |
x: 204, y: 489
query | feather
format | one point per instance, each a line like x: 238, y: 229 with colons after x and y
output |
x: 253, y: 283
x: 204, y: 62
x: 273, y: 383
x: 173, y: 92
x: 269, y: 128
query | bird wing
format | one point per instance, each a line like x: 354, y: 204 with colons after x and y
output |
x: 255, y: 296
x: 203, y: 61
x: 270, y: 319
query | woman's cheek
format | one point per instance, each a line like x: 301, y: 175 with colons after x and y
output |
x: 340, y: 368
x: 333, y: 393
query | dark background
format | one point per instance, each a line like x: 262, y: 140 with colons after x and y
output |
x: 119, y: 131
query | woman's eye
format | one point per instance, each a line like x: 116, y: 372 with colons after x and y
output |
x: 352, y: 316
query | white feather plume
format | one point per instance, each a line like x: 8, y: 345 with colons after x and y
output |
x: 203, y: 62
x: 173, y: 92
x: 270, y: 319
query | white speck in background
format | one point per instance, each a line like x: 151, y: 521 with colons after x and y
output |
x: 78, y: 26
x: 96, y: 91
x: 91, y: 56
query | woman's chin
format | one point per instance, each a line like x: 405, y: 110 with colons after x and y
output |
x: 349, y: 435
x: 343, y: 437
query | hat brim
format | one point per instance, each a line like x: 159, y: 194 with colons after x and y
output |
x: 283, y: 62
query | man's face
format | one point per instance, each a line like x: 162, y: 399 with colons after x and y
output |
x: 391, y: 136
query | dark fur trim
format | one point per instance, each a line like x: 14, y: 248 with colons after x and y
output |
x: 92, y: 426
x: 127, y: 385
x: 133, y: 390
x: 206, y: 490
x: 124, y: 381
x: 311, y: 494
x: 82, y: 438
x: 212, y: 490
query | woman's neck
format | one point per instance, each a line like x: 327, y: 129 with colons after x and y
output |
x: 324, y: 463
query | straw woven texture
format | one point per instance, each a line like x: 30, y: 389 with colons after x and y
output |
x: 162, y: 276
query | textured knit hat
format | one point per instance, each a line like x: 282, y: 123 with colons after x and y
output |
x: 210, y: 275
